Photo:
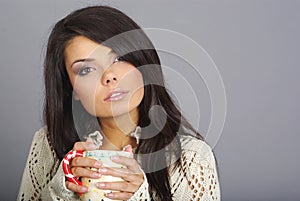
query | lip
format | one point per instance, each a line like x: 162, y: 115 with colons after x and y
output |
x: 122, y: 94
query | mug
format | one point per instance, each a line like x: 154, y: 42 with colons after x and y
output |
x: 94, y: 193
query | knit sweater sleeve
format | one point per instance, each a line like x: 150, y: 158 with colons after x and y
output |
x: 43, y: 178
x: 197, y: 177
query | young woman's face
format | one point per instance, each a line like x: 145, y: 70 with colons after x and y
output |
x: 104, y: 86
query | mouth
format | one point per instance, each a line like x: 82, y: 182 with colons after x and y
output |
x: 116, y: 95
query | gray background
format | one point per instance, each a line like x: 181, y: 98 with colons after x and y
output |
x: 255, y: 45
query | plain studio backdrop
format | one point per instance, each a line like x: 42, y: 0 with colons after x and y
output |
x: 255, y: 46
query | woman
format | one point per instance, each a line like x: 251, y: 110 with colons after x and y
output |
x: 103, y: 73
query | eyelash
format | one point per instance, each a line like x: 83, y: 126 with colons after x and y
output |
x: 82, y: 70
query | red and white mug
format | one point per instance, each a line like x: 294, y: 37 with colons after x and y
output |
x: 94, y: 194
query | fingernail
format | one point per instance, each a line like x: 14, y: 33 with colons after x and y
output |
x: 115, y: 158
x: 109, y: 195
x: 90, y: 140
x: 102, y: 170
x: 96, y: 175
x: 92, y: 146
x: 101, y: 184
x: 84, y: 189
x: 98, y: 164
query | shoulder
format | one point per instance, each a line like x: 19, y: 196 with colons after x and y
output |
x: 192, y: 143
x: 41, y: 151
x: 40, y: 143
x: 196, y: 150
x: 40, y: 136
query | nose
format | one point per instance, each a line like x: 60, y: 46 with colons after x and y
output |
x: 110, y: 78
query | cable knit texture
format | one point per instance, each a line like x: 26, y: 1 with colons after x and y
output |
x: 197, y: 179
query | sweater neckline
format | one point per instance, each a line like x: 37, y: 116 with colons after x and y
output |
x: 97, y: 137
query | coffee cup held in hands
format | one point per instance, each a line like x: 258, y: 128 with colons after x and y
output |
x: 94, y: 194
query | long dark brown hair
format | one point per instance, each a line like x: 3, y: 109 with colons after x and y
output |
x: 67, y: 121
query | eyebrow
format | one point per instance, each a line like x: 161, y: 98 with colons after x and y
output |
x: 89, y: 59
x: 82, y: 60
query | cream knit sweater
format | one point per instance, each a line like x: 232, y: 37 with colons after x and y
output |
x: 43, y: 178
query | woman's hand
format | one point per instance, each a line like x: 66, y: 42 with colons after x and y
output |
x: 132, y: 175
x: 79, y: 166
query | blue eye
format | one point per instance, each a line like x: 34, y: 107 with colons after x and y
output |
x: 85, y: 70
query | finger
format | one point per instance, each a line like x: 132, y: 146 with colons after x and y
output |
x: 85, y: 172
x: 85, y: 162
x: 114, y: 171
x: 123, y: 186
x: 119, y: 195
x: 130, y: 163
x: 76, y: 188
x: 84, y: 146
x: 123, y: 173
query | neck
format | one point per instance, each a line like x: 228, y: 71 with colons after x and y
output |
x: 116, y: 130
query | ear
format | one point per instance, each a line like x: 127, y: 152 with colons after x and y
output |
x: 75, y: 96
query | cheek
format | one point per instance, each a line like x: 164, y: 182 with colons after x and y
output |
x: 132, y: 79
x: 136, y: 97
x: 86, y: 93
x: 136, y: 84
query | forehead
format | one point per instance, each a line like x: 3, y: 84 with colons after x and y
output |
x: 81, y: 47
